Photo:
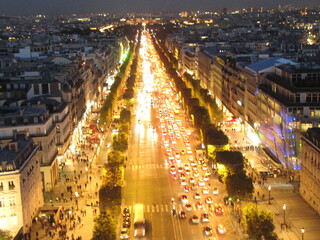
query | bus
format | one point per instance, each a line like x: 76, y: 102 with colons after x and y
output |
x: 139, y: 220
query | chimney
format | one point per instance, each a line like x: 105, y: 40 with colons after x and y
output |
x: 13, y: 146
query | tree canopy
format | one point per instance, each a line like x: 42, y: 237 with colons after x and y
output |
x: 259, y: 223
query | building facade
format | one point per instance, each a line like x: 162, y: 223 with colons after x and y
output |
x: 21, y: 192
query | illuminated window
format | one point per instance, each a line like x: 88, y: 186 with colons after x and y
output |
x: 2, y: 202
x: 12, y: 200
x: 13, y: 220
x: 3, y: 221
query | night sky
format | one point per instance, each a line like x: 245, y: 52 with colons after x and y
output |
x: 56, y: 7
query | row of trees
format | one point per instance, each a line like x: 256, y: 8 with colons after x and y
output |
x: 105, y: 227
x: 206, y: 117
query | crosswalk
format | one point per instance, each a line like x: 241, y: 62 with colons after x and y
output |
x: 146, y: 166
x: 163, y: 208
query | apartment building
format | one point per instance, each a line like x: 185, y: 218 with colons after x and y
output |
x: 21, y: 193
x: 39, y: 125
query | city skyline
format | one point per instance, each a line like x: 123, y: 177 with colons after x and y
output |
x: 56, y: 7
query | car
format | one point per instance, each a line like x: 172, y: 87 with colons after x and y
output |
x: 183, y: 182
x: 183, y: 152
x: 201, y: 182
x: 190, y: 158
x: 207, y: 231
x: 180, y: 169
x: 209, y: 200
x: 186, y: 167
x: 195, y: 219
x: 221, y: 229
x: 192, y: 180
x: 124, y: 233
x: 204, y: 167
x: 204, y: 217
x: 197, y: 196
x: 200, y: 161
x: 171, y: 160
x: 218, y: 209
x: 195, y: 173
x: 205, y: 190
x: 189, y: 152
x: 199, y: 205
x: 188, y: 172
x: 182, y: 215
x: 126, y: 223
x: 193, y: 164
x: 177, y: 155
x: 194, y: 186
x: 206, y: 178
x: 126, y: 210
x: 215, y: 191
x: 194, y: 168
x: 188, y: 207
x: 182, y: 176
x: 126, y: 215
x: 184, y: 198
x: 173, y: 169
x: 186, y: 188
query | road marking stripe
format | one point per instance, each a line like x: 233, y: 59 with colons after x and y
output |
x: 152, y: 208
x: 148, y: 208
x: 157, y: 207
x: 167, y: 208
x: 162, y: 210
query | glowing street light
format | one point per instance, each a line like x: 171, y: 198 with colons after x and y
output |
x: 269, y: 189
x: 302, y: 233
x: 284, y: 213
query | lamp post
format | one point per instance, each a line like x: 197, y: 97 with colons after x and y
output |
x: 302, y: 233
x: 269, y: 189
x: 284, y: 213
x: 77, y: 195
x: 87, y: 169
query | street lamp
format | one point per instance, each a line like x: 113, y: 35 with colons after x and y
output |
x: 269, y: 189
x: 77, y: 195
x: 302, y: 233
x: 284, y: 213
x: 87, y: 169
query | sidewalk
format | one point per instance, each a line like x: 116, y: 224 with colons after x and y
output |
x: 77, y: 195
x: 297, y: 213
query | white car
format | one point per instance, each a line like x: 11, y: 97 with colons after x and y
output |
x: 183, y: 183
x: 124, y: 233
x: 205, y: 190
x: 215, y: 191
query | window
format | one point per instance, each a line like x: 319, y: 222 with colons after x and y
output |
x: 11, y: 185
x: 36, y: 88
x: 297, y: 97
x: 35, y: 119
x: 314, y: 97
x: 45, y: 88
x: 2, y: 202
x: 13, y: 220
x: 1, y: 123
x: 38, y: 130
x: 1, y: 186
x: 308, y: 99
x: 3, y: 221
x: 14, y: 121
x: 58, y: 129
x: 12, y: 200
x: 25, y: 120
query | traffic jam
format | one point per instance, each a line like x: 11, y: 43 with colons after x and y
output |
x: 187, y: 166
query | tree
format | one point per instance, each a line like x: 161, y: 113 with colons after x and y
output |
x: 125, y: 115
x: 239, y: 185
x: 5, y: 235
x: 104, y: 227
x: 259, y: 223
x: 115, y: 157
